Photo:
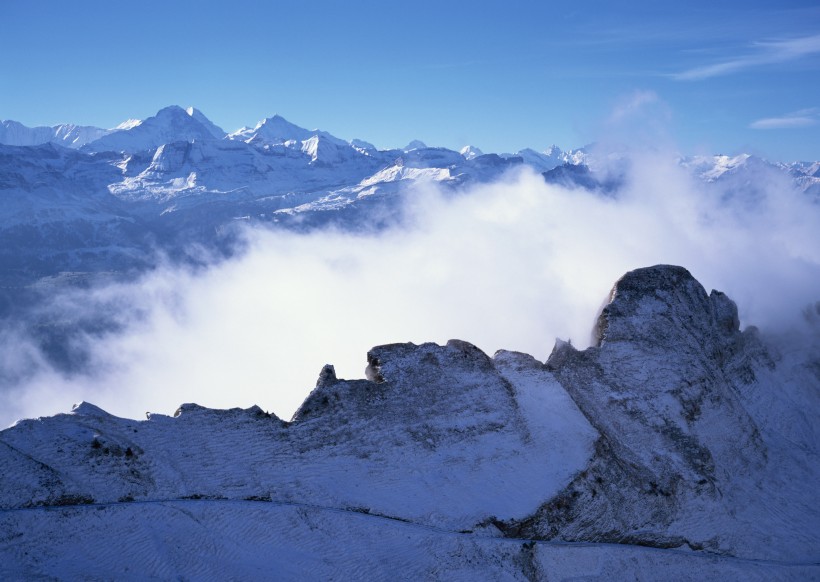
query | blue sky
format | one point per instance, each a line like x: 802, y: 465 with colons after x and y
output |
x: 705, y: 77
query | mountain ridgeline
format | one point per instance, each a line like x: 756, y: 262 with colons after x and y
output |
x: 84, y: 202
x: 677, y: 446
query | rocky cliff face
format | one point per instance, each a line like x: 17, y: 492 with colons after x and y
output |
x: 675, y: 431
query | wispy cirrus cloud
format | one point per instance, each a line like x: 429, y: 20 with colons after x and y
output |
x: 796, y: 119
x: 767, y: 53
x: 632, y: 104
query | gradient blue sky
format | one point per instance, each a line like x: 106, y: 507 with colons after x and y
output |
x: 705, y: 77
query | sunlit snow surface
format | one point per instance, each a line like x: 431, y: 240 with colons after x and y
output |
x: 676, y: 445
x: 448, y: 453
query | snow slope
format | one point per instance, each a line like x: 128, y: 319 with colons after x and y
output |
x: 677, y: 444
x: 250, y: 540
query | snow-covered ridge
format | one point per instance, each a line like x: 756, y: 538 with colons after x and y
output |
x: 174, y: 123
x: 67, y: 134
x: 128, y: 124
x: 677, y: 432
x: 170, y: 124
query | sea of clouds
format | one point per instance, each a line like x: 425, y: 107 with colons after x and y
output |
x: 514, y: 264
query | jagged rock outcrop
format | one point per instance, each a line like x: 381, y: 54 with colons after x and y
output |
x: 674, y: 432
x: 665, y: 433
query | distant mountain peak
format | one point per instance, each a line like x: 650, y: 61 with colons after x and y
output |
x: 278, y: 130
x: 363, y: 145
x: 170, y: 124
x: 127, y: 124
x: 215, y: 130
x: 172, y: 111
x: 416, y: 144
x: 274, y: 130
x: 470, y: 152
x: 278, y: 123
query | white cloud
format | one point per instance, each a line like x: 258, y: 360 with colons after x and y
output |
x: 633, y: 103
x: 638, y: 120
x: 511, y: 265
x: 798, y: 119
x: 768, y: 53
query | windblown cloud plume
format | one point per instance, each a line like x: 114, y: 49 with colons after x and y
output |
x: 802, y: 118
x: 764, y: 53
x: 513, y: 264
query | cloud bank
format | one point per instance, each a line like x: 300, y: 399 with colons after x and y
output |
x: 513, y: 265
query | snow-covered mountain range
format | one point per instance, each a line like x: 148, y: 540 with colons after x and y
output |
x: 88, y: 200
x: 112, y: 198
x: 677, y: 443
x: 677, y: 447
x: 81, y: 204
